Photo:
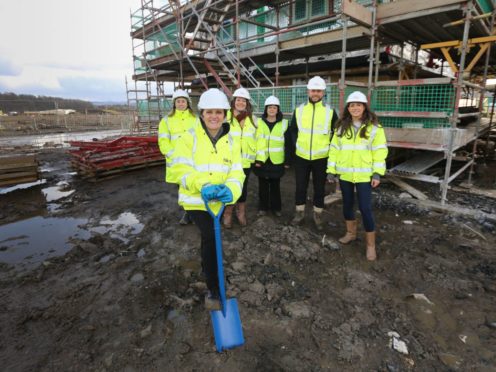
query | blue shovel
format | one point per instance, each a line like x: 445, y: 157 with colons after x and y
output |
x: 228, y: 332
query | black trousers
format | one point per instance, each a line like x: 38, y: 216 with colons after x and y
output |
x: 244, y: 193
x: 269, y: 194
x: 205, y: 223
x: 317, y: 168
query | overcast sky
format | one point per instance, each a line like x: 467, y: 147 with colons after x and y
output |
x: 66, y: 48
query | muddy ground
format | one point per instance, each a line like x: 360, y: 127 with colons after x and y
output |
x: 125, y: 293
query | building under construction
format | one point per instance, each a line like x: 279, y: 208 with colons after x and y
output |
x: 423, y: 64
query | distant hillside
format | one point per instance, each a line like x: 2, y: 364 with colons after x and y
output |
x: 109, y: 103
x: 27, y: 102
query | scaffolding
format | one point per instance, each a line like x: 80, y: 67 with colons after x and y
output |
x: 384, y: 48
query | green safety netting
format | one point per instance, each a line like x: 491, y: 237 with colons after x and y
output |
x: 425, y: 98
x: 153, y: 108
x: 436, y: 98
x: 485, y: 5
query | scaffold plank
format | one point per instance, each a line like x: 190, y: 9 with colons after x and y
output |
x: 418, y: 163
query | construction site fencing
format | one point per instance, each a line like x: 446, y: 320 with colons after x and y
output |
x: 32, y: 124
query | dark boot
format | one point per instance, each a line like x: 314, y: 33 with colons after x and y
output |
x: 185, y: 220
x: 212, y: 300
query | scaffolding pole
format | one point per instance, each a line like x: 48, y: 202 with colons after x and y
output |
x: 342, y: 84
x: 377, y: 61
x: 371, y: 51
x: 277, y: 47
x: 456, y: 113
x: 481, y: 101
x: 238, y: 67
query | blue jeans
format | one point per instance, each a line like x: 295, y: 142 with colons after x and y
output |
x: 364, y: 192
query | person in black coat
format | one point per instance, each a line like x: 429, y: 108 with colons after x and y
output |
x: 273, y: 149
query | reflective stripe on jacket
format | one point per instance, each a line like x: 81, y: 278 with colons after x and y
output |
x: 314, y: 130
x: 270, y: 144
x: 170, y: 129
x: 246, y: 136
x: 356, y: 159
x: 197, y: 162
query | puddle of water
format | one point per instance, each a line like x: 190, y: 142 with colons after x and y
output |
x: 6, y: 190
x: 29, y: 242
x: 126, y: 224
x: 46, y: 237
x: 59, y: 138
x: 55, y: 193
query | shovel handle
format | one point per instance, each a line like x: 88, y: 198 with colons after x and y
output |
x: 218, y: 251
x: 209, y: 210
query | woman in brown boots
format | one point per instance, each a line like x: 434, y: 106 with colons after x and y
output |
x: 357, y: 158
x: 243, y: 129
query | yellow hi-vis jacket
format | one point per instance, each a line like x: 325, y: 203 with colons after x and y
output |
x: 356, y: 159
x: 169, y: 130
x: 196, y: 162
x: 271, y: 144
x: 314, y: 130
x: 246, y: 138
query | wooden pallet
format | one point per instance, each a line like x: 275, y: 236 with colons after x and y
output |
x: 18, y: 169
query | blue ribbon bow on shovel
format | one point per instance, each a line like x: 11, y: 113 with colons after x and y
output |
x: 226, y: 322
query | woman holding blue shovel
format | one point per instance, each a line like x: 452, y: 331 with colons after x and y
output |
x: 207, y: 166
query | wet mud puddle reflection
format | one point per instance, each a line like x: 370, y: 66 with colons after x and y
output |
x: 28, y: 243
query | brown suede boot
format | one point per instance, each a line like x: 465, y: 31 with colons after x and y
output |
x: 241, y: 213
x: 351, y: 232
x: 370, y: 239
x: 227, y: 219
x: 317, y: 218
x: 299, y: 215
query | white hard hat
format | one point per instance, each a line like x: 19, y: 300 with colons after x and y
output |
x: 243, y: 93
x: 213, y: 99
x: 316, y: 83
x: 180, y: 94
x: 357, y: 97
x: 272, y: 100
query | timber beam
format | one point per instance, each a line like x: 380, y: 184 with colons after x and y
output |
x: 445, y: 46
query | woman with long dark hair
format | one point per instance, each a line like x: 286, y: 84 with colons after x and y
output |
x: 243, y: 129
x: 273, y: 147
x: 357, y: 157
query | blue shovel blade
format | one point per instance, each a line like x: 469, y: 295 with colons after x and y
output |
x: 228, y: 332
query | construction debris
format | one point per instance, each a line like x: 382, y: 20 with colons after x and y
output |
x: 102, y: 159
x: 409, y: 189
x: 467, y: 189
x: 18, y: 169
